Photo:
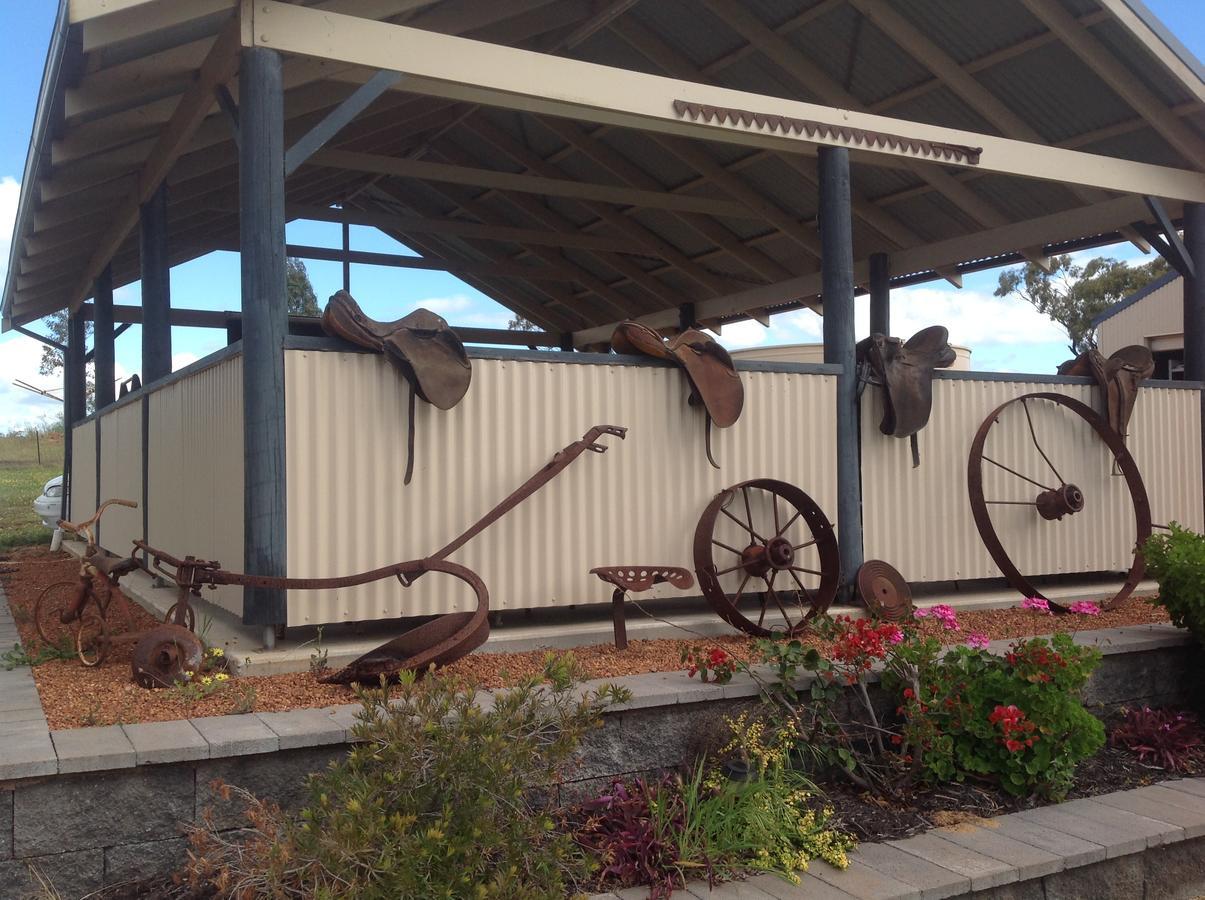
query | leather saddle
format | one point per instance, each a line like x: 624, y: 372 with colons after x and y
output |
x: 113, y: 567
x: 421, y: 346
x: 1119, y: 377
x: 905, y: 370
x: 714, y: 382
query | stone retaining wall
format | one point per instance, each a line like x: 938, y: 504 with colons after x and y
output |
x: 104, y: 805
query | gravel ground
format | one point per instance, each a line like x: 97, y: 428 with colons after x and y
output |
x: 74, y: 696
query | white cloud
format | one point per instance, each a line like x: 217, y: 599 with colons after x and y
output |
x: 466, y: 311
x: 19, y: 358
x: 744, y: 334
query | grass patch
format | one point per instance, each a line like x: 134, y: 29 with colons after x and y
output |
x: 21, y: 480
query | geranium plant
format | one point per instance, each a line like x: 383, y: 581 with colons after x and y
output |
x: 1177, y: 560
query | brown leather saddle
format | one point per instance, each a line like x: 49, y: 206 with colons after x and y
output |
x: 421, y: 346
x: 714, y: 381
x: 113, y: 567
x: 905, y: 370
x: 1119, y: 377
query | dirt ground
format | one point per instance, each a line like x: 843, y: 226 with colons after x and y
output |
x: 75, y: 696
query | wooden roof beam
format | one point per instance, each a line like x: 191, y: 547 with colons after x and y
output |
x: 1085, y: 45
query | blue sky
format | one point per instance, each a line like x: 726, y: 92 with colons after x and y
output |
x: 1004, y: 335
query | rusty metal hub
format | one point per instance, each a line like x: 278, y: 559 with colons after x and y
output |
x: 1062, y: 501
x: 164, y: 654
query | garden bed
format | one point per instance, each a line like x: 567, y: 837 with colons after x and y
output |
x: 74, y: 696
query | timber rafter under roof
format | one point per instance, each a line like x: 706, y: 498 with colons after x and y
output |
x: 612, y: 220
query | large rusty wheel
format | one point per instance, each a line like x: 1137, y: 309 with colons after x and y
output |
x: 1033, y: 491
x: 764, y: 548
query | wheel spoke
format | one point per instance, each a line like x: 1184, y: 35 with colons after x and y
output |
x: 740, y: 590
x: 805, y: 544
x: 802, y: 569
x: 739, y: 565
x: 801, y: 594
x: 774, y: 596
x: 776, y: 523
x: 790, y: 522
x: 987, y: 458
x: 1011, y: 502
x: 1034, y: 435
x: 726, y: 547
x: 749, y: 528
x: 749, y: 515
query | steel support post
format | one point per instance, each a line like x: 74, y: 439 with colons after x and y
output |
x: 102, y: 338
x: 264, y: 327
x: 837, y: 294
x: 156, y: 289
x: 880, y: 294
x: 1194, y: 304
x: 74, y: 399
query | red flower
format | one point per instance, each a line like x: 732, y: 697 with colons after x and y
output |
x: 909, y: 693
x: 1013, y: 746
x: 896, y: 739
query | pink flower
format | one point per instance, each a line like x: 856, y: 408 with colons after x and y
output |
x: 1038, y: 604
x: 977, y: 640
x: 945, y: 614
x: 1084, y: 608
x: 894, y: 637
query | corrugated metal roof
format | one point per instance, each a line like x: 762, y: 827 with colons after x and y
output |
x: 91, y: 141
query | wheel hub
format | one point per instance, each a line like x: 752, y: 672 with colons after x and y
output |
x: 760, y: 559
x: 1061, y: 501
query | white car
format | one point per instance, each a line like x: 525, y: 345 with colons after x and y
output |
x: 49, y: 506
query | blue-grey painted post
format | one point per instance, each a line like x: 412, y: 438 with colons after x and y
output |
x: 837, y: 293
x: 74, y: 399
x: 264, y: 326
x: 346, y: 253
x: 1194, y: 303
x: 102, y: 338
x: 880, y: 294
x: 156, y: 289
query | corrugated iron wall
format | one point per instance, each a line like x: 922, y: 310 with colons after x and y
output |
x: 195, y: 468
x: 121, y: 476
x: 1159, y: 313
x: 920, y: 520
x: 638, y: 503
x: 83, y: 471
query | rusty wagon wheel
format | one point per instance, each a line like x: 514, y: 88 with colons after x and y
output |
x: 756, y: 547
x: 1054, y: 497
x: 48, y: 611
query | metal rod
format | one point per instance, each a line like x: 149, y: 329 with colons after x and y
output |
x: 1034, y: 436
x: 988, y: 459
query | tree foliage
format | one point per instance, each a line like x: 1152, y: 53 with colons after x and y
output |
x: 302, y: 301
x: 1073, y: 295
x: 518, y: 323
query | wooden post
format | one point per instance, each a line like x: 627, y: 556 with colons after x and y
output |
x: 880, y: 294
x: 1194, y: 304
x: 156, y: 289
x: 264, y: 327
x: 102, y: 338
x: 837, y: 280
x: 74, y: 399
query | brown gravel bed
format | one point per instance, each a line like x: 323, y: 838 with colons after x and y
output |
x: 74, y: 696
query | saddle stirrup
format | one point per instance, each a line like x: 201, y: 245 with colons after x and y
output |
x: 410, y: 437
x: 707, y: 442
x: 915, y: 450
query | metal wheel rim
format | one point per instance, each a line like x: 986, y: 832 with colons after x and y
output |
x: 43, y: 607
x: 801, y: 506
x: 190, y: 616
x: 92, y: 639
x: 1125, y: 463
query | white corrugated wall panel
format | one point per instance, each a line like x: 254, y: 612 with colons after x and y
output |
x: 919, y: 520
x: 83, y: 471
x: 195, y: 462
x: 121, y: 476
x: 638, y: 503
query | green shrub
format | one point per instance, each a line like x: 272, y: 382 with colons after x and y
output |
x: 1177, y: 560
x: 435, y: 801
x: 1017, y: 719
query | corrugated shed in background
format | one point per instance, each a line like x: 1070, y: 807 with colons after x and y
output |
x: 121, y: 476
x: 196, y: 471
x: 1160, y: 314
x: 83, y: 471
x: 919, y: 520
x: 637, y: 503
